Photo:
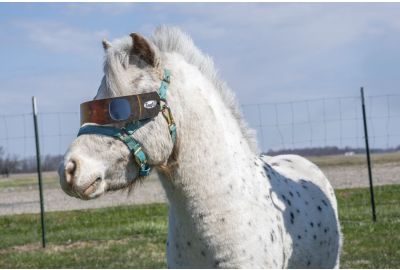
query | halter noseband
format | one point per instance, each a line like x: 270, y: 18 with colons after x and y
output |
x: 125, y: 133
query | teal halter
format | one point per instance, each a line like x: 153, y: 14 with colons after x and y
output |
x: 125, y: 133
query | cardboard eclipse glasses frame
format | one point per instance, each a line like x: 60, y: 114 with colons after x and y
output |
x: 118, y: 109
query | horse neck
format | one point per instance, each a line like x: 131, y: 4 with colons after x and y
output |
x: 212, y: 147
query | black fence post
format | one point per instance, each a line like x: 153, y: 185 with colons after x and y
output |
x: 371, y: 186
x: 39, y: 170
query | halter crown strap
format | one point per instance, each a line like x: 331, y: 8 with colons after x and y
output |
x: 125, y: 134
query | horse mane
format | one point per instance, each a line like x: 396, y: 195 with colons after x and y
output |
x: 172, y: 39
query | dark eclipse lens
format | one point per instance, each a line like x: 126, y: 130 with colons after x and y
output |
x: 120, y: 109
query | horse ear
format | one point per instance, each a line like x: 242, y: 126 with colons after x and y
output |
x: 145, y: 50
x: 106, y: 44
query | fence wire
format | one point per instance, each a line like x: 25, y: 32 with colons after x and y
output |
x: 325, y: 122
x: 284, y: 126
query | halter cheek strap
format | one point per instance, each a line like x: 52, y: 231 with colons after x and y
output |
x: 125, y: 134
x: 165, y: 109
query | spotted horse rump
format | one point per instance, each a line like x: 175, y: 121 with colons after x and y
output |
x: 229, y: 207
x: 309, y: 209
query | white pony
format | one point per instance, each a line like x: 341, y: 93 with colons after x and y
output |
x: 228, y: 207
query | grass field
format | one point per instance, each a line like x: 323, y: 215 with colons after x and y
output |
x: 29, y: 180
x: 134, y: 236
x: 355, y: 160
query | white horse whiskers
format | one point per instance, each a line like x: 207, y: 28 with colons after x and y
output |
x: 228, y: 207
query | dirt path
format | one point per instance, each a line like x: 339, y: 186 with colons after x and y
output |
x: 357, y: 175
x: 26, y: 200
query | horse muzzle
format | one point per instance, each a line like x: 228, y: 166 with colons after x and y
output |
x: 77, y: 185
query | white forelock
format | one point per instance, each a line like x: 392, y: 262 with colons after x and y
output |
x: 117, y: 57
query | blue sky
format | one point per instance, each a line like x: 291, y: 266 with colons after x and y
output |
x: 266, y: 52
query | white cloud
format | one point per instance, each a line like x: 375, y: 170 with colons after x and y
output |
x: 288, y: 46
x: 295, y: 27
x: 59, y: 37
x: 56, y: 91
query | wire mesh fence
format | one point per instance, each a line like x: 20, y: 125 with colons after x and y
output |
x: 329, y: 130
x: 325, y: 122
x: 57, y: 131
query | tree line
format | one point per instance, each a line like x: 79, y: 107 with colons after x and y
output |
x: 11, y: 164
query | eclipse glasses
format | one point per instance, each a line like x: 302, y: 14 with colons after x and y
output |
x: 125, y: 108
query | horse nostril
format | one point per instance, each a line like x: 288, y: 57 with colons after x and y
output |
x: 70, y: 171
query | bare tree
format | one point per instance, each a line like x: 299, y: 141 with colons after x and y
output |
x: 1, y: 160
x: 8, y: 164
x: 51, y: 163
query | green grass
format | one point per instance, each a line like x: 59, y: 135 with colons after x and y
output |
x: 28, y: 181
x: 134, y: 236
x: 115, y: 237
x: 368, y: 244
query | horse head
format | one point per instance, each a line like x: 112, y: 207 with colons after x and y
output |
x: 118, y: 142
